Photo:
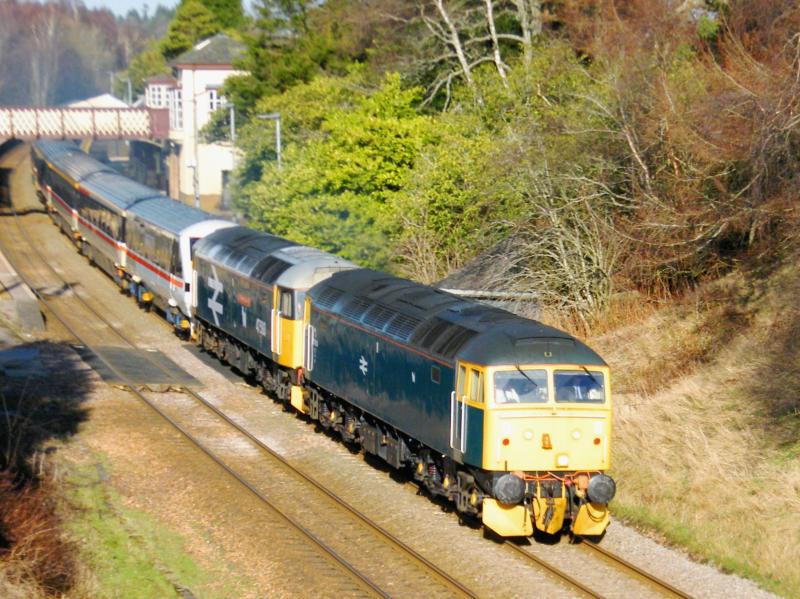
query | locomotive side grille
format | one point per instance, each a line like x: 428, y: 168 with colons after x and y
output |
x: 329, y: 297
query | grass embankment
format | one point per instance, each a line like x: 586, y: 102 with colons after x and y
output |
x: 70, y: 536
x: 707, y: 424
x: 127, y: 553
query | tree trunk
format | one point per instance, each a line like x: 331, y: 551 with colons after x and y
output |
x: 498, y: 59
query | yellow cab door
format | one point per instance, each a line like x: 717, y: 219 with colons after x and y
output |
x: 287, y: 329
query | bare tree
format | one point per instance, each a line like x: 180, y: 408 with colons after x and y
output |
x: 447, y: 30
x: 466, y: 35
x: 568, y: 250
x: 529, y: 16
x: 44, y: 53
x: 498, y: 59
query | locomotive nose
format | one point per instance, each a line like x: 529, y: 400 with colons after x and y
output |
x: 602, y: 489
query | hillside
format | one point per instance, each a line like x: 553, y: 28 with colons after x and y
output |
x: 707, y: 450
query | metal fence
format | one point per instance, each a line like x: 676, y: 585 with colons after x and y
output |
x: 73, y: 123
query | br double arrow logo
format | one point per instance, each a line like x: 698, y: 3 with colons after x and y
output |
x: 213, y: 303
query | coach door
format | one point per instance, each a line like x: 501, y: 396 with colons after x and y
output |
x: 458, y: 413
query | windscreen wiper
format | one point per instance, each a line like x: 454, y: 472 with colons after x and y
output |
x: 522, y: 372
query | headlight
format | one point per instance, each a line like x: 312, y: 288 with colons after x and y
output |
x: 509, y: 489
x: 602, y: 489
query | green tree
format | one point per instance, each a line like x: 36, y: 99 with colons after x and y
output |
x: 146, y: 64
x: 192, y: 23
x: 294, y: 40
x: 337, y: 186
x: 228, y: 13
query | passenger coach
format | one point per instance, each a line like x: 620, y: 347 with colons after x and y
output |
x: 138, y: 236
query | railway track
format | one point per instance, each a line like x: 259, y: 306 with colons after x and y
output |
x: 660, y: 586
x: 363, y: 581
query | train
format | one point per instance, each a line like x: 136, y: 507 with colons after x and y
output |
x: 505, y: 417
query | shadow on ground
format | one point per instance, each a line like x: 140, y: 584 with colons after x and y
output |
x: 43, y: 387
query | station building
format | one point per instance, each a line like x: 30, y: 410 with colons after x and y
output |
x: 196, y: 169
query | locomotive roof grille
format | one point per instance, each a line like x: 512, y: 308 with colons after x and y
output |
x: 329, y: 297
x: 445, y: 325
x: 355, y: 308
x: 449, y: 344
x: 270, y: 268
x: 402, y: 326
x: 378, y: 316
x: 428, y: 333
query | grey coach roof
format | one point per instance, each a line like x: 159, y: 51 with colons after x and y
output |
x: 113, y: 187
x: 168, y: 214
x: 69, y: 159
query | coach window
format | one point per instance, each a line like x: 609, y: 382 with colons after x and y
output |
x: 287, y: 304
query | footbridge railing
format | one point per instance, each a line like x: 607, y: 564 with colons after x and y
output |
x: 83, y: 123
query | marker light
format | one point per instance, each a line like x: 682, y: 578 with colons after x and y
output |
x: 506, y: 441
x: 597, y: 440
x: 546, y: 443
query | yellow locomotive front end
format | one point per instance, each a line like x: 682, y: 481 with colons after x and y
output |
x: 549, y: 428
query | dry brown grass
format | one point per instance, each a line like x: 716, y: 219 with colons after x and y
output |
x: 35, y: 559
x: 707, y: 424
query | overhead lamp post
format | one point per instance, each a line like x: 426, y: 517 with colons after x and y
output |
x: 274, y: 116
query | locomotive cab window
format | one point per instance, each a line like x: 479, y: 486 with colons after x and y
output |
x: 520, y: 386
x: 579, y: 386
x: 462, y: 377
x: 475, y: 386
x: 287, y: 304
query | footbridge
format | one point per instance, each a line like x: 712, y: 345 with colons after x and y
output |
x: 27, y: 123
